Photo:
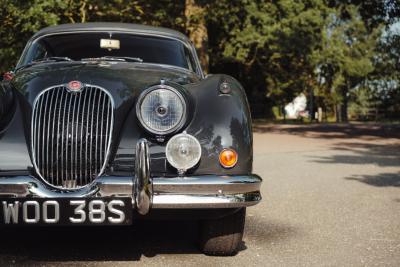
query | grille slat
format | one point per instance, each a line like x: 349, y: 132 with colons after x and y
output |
x: 71, y: 135
x: 97, y: 133
x: 101, y: 128
x: 57, y: 138
x: 48, y: 114
x: 40, y: 126
x: 53, y: 132
x: 87, y: 171
x: 80, y: 145
x: 76, y: 138
x: 91, y: 136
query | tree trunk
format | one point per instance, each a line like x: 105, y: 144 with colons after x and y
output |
x: 311, y: 113
x: 343, y: 110
x: 337, y: 113
x: 284, y: 113
x: 83, y: 11
x: 196, y: 27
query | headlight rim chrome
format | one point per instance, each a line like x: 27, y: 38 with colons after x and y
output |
x: 181, y: 97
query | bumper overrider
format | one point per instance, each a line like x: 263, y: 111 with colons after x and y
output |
x: 182, y: 192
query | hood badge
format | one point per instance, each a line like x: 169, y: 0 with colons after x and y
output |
x: 74, y: 86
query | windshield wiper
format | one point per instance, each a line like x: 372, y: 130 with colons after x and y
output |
x: 53, y: 59
x: 46, y: 59
x: 115, y: 58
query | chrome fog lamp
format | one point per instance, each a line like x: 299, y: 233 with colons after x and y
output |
x: 161, y: 109
x: 183, y: 152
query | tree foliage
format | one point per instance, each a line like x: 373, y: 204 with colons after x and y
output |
x: 339, y: 53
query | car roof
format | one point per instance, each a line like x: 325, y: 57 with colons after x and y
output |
x: 112, y: 27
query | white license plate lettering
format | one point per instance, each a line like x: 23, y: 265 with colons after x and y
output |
x: 75, y: 211
x: 120, y: 215
x: 96, y: 211
x: 10, y: 212
x: 35, y: 211
x: 47, y: 206
x: 79, y: 212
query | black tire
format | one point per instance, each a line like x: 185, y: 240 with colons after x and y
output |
x: 223, y: 236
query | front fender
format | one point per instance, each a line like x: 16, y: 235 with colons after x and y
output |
x: 7, y: 105
x: 221, y: 121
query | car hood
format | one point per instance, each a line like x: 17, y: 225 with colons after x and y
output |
x: 124, y: 80
x: 217, y: 120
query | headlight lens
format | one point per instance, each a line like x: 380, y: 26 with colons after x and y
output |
x: 183, y: 151
x: 161, y: 109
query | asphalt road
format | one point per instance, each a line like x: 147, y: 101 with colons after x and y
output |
x: 331, y: 198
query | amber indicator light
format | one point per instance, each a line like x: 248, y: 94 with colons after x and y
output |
x: 228, y: 158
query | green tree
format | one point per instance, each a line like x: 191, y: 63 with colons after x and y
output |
x: 19, y: 20
x: 277, y: 49
x: 22, y: 18
x: 346, y: 57
x: 268, y: 44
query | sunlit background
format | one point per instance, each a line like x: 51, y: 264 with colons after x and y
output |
x: 332, y: 60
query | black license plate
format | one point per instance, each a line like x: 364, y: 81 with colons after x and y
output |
x: 64, y: 211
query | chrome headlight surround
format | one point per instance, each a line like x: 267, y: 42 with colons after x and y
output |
x: 178, y: 125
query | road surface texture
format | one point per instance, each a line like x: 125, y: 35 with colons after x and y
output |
x: 331, y: 198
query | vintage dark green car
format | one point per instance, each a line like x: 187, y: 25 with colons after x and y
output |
x: 106, y: 123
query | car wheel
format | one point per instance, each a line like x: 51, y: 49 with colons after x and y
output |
x: 223, y: 236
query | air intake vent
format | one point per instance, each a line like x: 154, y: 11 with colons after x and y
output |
x: 71, y: 135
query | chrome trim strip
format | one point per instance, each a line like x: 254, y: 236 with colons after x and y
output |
x: 58, y: 143
x: 143, y: 190
x: 82, y: 160
x: 43, y: 156
x: 79, y: 111
x: 182, y: 201
x: 52, y: 135
x: 73, y: 138
x: 27, y: 186
x: 101, y: 130
x: 48, y: 133
x: 97, y: 132
x: 65, y: 99
x: 91, y: 138
x: 207, y: 185
x: 87, y: 129
x: 196, y: 192
x: 66, y: 142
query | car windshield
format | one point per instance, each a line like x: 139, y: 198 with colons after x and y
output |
x: 115, y: 46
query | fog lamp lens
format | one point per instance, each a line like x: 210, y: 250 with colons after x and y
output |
x: 228, y: 158
x: 183, y: 151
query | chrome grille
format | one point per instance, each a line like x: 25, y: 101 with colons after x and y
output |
x: 71, y: 135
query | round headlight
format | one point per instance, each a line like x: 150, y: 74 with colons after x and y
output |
x: 161, y: 109
x: 183, y: 151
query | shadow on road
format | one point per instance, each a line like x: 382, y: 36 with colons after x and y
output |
x: 270, y: 232
x: 361, y: 144
x: 366, y: 131
x: 380, y: 180
x: 385, y: 155
x: 127, y: 243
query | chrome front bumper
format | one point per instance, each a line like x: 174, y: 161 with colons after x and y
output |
x: 209, y: 191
